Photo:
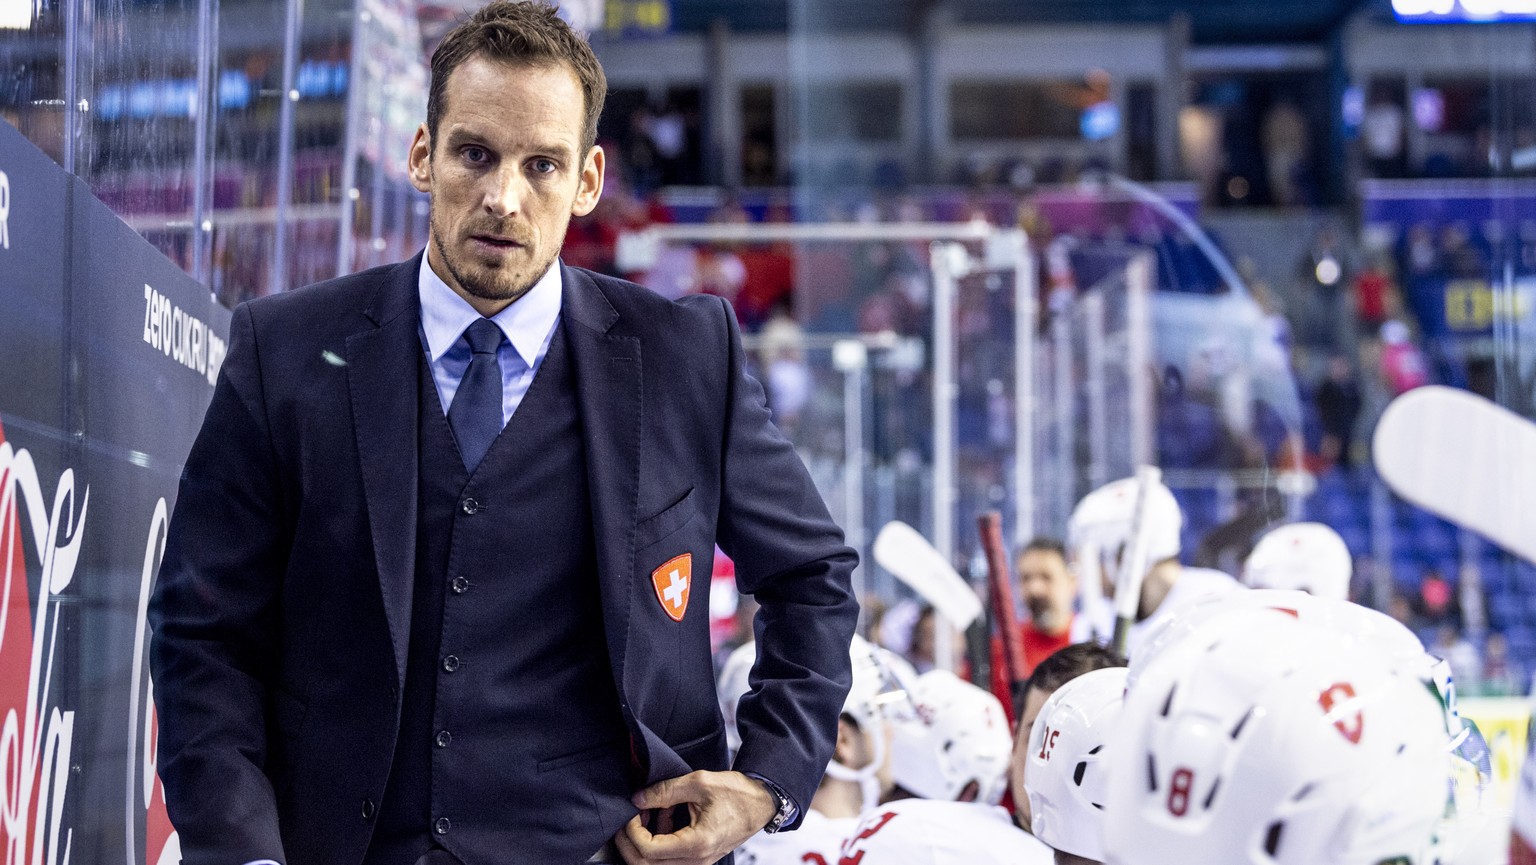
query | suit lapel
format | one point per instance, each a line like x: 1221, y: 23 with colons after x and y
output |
x: 608, y: 391
x: 382, y: 366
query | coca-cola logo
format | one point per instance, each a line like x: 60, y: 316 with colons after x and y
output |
x: 37, y: 735
x: 145, y: 793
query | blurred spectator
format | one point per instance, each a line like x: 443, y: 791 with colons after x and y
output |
x: 1403, y: 367
x: 786, y: 376
x: 1338, y: 408
x: 1460, y: 258
x: 1451, y: 647
x: 921, y: 651
x: 873, y: 608
x: 1048, y: 588
x: 1420, y: 253
x: 1322, y: 272
x: 1438, y: 605
x: 769, y: 283
x: 1372, y: 286
x: 1285, y: 152
x: 718, y: 271
x: 1381, y: 134
x: 1501, y: 677
x: 667, y: 132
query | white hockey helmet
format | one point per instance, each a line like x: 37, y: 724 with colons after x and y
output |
x: 731, y: 685
x: 879, y: 689
x: 1065, y: 770
x: 960, y: 735
x: 1103, y: 520
x: 1307, y: 556
x: 1263, y: 739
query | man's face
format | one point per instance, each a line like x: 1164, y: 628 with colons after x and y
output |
x: 506, y: 174
x: 1034, y: 701
x: 857, y: 748
x: 1049, y: 588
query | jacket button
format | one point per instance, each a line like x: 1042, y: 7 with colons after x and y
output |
x: 460, y: 585
x: 444, y: 738
x: 451, y: 663
x: 443, y: 825
x: 367, y: 809
x: 471, y: 506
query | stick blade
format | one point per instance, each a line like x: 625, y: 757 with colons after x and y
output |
x: 910, y: 558
x: 1465, y: 459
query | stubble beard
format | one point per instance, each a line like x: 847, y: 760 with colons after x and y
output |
x: 492, y: 290
x: 1047, y: 620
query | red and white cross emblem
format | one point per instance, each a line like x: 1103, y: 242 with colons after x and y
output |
x: 672, y: 581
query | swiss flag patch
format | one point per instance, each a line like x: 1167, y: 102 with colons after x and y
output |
x: 672, y: 581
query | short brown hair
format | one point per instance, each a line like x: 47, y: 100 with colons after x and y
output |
x: 519, y: 32
x: 1063, y: 666
x: 1043, y: 544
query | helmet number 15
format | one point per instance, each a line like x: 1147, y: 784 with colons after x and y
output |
x: 1048, y: 744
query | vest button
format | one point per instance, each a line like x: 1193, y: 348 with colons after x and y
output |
x: 451, y: 663
x: 460, y: 585
x: 368, y: 809
x: 444, y: 738
x: 471, y: 506
x: 443, y: 825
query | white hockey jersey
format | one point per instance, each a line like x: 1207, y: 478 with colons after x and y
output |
x: 930, y: 832
x: 815, y: 842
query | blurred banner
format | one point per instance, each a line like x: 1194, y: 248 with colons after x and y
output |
x: 110, y: 353
x: 1470, y: 307
x: 1503, y: 722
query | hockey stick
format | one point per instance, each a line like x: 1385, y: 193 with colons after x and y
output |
x: 1000, y: 583
x: 1465, y: 459
x: 1133, y: 563
x: 912, y: 560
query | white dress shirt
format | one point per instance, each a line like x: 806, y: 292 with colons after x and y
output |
x: 529, y: 324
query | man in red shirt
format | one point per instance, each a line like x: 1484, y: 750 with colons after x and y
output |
x: 1049, y: 589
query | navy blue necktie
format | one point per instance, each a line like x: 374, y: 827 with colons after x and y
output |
x: 475, y: 414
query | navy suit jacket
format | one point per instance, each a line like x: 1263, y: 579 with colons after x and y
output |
x: 282, y: 610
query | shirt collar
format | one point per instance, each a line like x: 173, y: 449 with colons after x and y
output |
x: 526, y: 322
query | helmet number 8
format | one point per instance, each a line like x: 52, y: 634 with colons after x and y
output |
x: 1178, y: 791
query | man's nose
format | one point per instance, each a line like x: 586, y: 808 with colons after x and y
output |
x: 504, y: 191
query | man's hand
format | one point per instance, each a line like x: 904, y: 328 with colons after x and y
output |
x: 724, y: 809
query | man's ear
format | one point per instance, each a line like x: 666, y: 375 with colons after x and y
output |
x: 847, y: 747
x: 419, y: 161
x: 590, y: 187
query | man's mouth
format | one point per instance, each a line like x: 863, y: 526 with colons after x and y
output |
x: 495, y: 241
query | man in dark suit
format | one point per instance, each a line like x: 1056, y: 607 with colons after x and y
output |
x: 435, y: 589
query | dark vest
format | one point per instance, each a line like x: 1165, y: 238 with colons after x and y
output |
x: 511, y: 747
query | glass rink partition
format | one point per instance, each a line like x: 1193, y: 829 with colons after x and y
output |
x: 1007, y: 262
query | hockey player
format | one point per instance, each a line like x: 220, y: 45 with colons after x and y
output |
x: 954, y: 754
x: 1100, y: 530
x: 1066, y: 665
x: 956, y: 749
x: 1265, y: 739
x: 1065, y: 765
x: 1309, y: 557
x: 859, y: 774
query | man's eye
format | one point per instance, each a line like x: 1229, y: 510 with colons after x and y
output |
x: 475, y: 155
x: 543, y: 166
